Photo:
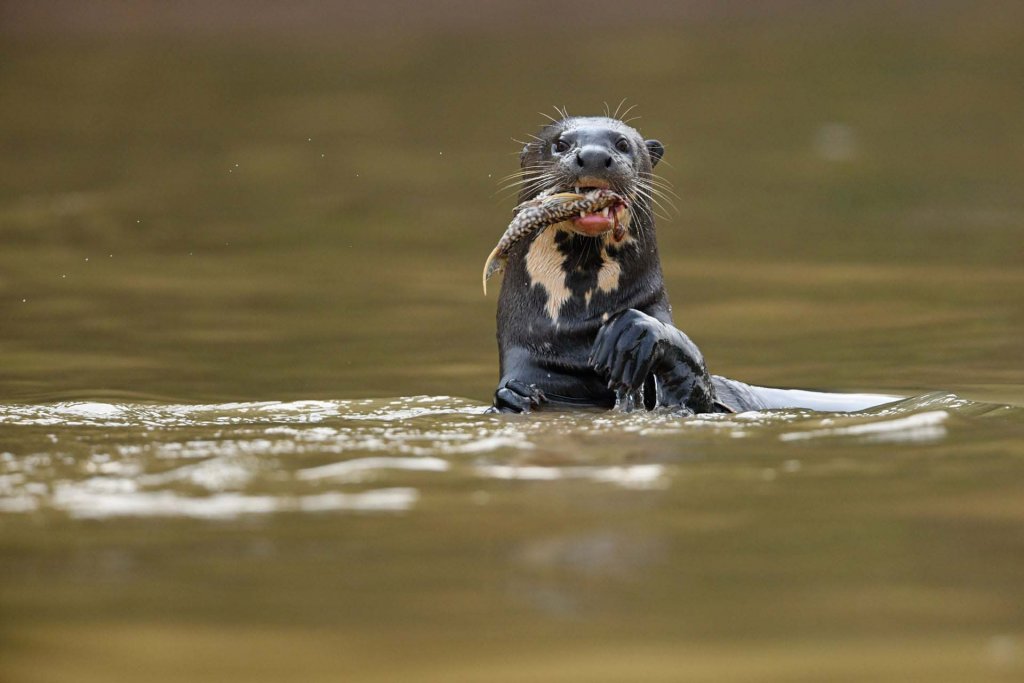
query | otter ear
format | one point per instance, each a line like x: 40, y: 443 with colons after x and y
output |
x: 656, y: 150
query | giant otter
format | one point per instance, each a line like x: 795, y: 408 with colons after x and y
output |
x: 583, y: 317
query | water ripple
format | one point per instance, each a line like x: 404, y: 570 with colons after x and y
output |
x: 220, y: 461
x: 82, y: 502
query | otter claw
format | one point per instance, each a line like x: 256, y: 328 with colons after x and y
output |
x: 515, y: 396
x: 626, y: 350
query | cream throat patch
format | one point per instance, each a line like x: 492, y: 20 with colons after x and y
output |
x: 546, y: 267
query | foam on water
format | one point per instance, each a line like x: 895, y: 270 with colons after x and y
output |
x: 81, y: 502
x: 921, y: 427
x: 91, y: 459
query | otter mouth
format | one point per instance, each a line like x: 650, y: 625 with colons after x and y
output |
x: 599, y: 222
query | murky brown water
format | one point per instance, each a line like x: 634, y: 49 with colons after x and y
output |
x: 244, y: 359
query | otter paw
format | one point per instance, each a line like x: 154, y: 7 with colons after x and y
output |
x: 517, y: 397
x: 627, y: 349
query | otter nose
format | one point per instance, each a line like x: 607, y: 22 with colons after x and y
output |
x: 593, y: 158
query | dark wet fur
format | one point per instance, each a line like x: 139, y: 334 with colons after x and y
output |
x: 549, y: 363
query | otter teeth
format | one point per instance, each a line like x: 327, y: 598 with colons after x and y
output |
x: 604, y: 212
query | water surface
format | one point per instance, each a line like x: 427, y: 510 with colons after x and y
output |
x: 244, y: 359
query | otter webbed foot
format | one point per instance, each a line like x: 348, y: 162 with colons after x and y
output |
x: 514, y: 396
x: 633, y: 345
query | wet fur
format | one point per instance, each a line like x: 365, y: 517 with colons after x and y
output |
x: 583, y: 320
x: 560, y: 287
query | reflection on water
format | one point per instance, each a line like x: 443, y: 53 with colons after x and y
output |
x: 418, y: 520
x: 220, y: 461
x: 219, y: 256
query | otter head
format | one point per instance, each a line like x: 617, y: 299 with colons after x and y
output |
x: 580, y: 153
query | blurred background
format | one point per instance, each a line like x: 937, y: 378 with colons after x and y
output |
x: 227, y: 200
x: 293, y: 200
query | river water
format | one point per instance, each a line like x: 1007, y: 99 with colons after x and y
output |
x: 244, y: 363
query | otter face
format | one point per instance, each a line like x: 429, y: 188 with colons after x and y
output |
x: 582, y: 153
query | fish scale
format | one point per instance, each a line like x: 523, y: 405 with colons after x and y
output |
x: 540, y: 212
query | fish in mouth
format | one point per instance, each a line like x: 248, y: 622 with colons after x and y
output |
x: 593, y: 224
x: 591, y: 211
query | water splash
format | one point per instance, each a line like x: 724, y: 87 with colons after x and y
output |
x: 218, y: 461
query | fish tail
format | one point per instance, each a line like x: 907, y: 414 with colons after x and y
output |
x: 488, y: 270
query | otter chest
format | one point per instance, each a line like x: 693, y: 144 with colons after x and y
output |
x: 570, y: 270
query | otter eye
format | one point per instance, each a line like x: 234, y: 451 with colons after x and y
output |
x: 622, y: 144
x: 560, y: 146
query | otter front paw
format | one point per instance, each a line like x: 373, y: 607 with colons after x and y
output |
x: 628, y: 347
x: 517, y: 397
x: 633, y: 345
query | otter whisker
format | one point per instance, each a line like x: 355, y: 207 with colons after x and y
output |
x: 661, y: 183
x: 654, y: 177
x: 518, y: 175
x: 618, y: 107
x: 528, y: 177
x: 528, y: 170
x: 659, y: 198
x: 645, y: 215
x: 657, y: 176
x: 656, y: 191
x: 513, y: 192
x: 531, y: 167
x: 653, y: 200
x: 511, y: 182
x: 547, y: 176
x: 531, y: 185
x: 508, y: 192
x: 660, y: 193
x: 665, y: 191
x: 522, y: 173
